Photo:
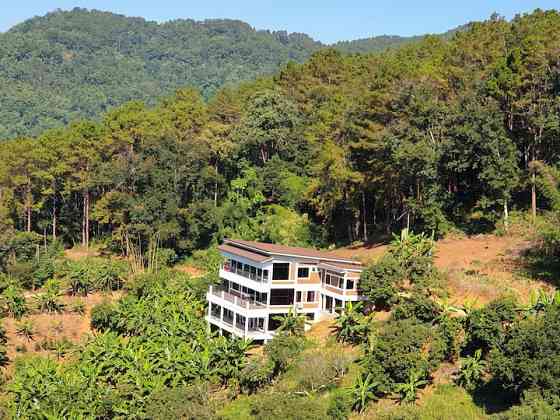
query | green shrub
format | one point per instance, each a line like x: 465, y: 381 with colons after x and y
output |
x: 340, y: 404
x: 472, y: 371
x: 402, y: 348
x: 486, y: 327
x: 13, y: 302
x: 379, y: 282
x: 166, y: 257
x: 23, y: 273
x: 417, y: 306
x: 533, y: 407
x: 103, y: 316
x: 257, y: 373
x: 90, y: 274
x: 352, y: 326
x: 282, y: 349
x: 284, y: 405
x: 26, y: 329
x: 48, y: 300
x: 185, y: 402
x: 528, y: 357
x: 452, y: 332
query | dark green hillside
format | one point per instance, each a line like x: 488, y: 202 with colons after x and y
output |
x: 69, y: 65
x: 77, y: 64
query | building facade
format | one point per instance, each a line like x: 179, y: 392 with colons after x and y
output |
x: 260, y: 281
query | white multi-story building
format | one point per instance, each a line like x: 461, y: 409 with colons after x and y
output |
x: 260, y: 281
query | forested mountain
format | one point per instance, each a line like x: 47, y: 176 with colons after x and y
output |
x: 434, y: 135
x: 77, y: 64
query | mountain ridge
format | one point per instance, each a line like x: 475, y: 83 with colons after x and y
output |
x: 68, y: 65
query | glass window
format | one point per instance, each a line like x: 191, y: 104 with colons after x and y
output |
x: 298, y: 296
x: 259, y: 274
x: 281, y: 271
x: 350, y: 284
x: 311, y: 296
x: 265, y: 275
x: 303, y: 272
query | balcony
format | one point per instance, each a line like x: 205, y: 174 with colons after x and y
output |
x: 249, y: 272
x: 238, y: 329
x: 236, y: 298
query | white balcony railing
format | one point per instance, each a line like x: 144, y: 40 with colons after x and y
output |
x: 248, y: 274
x: 236, y: 299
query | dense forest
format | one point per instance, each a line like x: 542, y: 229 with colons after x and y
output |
x: 445, y: 135
x: 77, y: 64
x: 433, y: 136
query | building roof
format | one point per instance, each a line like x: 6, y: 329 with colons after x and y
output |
x: 340, y: 266
x: 253, y: 256
x: 273, y: 249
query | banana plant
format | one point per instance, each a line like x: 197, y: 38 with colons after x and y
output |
x: 365, y: 390
x: 409, y: 390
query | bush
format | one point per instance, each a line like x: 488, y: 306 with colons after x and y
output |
x: 91, y: 274
x: 486, y: 327
x: 103, y: 316
x: 533, y: 407
x: 277, y: 405
x: 49, y: 299
x: 340, y: 404
x: 166, y: 257
x: 13, y: 302
x: 185, y: 402
x: 320, y: 370
x: 402, y: 348
x: 528, y: 358
x: 257, y: 373
x: 379, y: 282
x: 417, y: 306
x: 283, y: 349
x: 452, y: 332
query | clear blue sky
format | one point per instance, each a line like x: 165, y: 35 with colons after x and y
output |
x: 326, y: 20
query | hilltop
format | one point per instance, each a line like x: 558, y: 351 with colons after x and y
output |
x: 76, y: 64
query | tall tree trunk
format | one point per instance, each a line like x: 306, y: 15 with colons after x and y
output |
x: 534, y: 197
x: 28, y: 209
x: 364, y: 216
x: 506, y: 215
x: 54, y: 219
x: 85, y: 219
x: 216, y: 186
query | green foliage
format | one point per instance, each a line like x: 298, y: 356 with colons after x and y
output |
x: 417, y: 306
x: 352, y: 326
x: 283, y: 349
x: 280, y: 405
x: 321, y: 370
x: 379, y: 282
x: 13, y: 302
x: 258, y: 372
x: 533, y: 407
x: 486, y: 327
x: 103, y: 316
x: 472, y: 371
x: 186, y: 402
x: 528, y: 355
x: 48, y: 300
x: 87, y: 275
x: 402, y: 351
x: 366, y: 389
x: 26, y: 329
x: 409, y: 389
x: 156, y: 346
x: 291, y: 324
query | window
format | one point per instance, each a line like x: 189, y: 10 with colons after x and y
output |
x: 311, y: 296
x: 298, y: 297
x: 350, y: 284
x: 265, y: 275
x: 303, y: 272
x: 282, y: 297
x: 281, y: 271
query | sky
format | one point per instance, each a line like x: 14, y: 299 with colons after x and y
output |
x: 327, y: 20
